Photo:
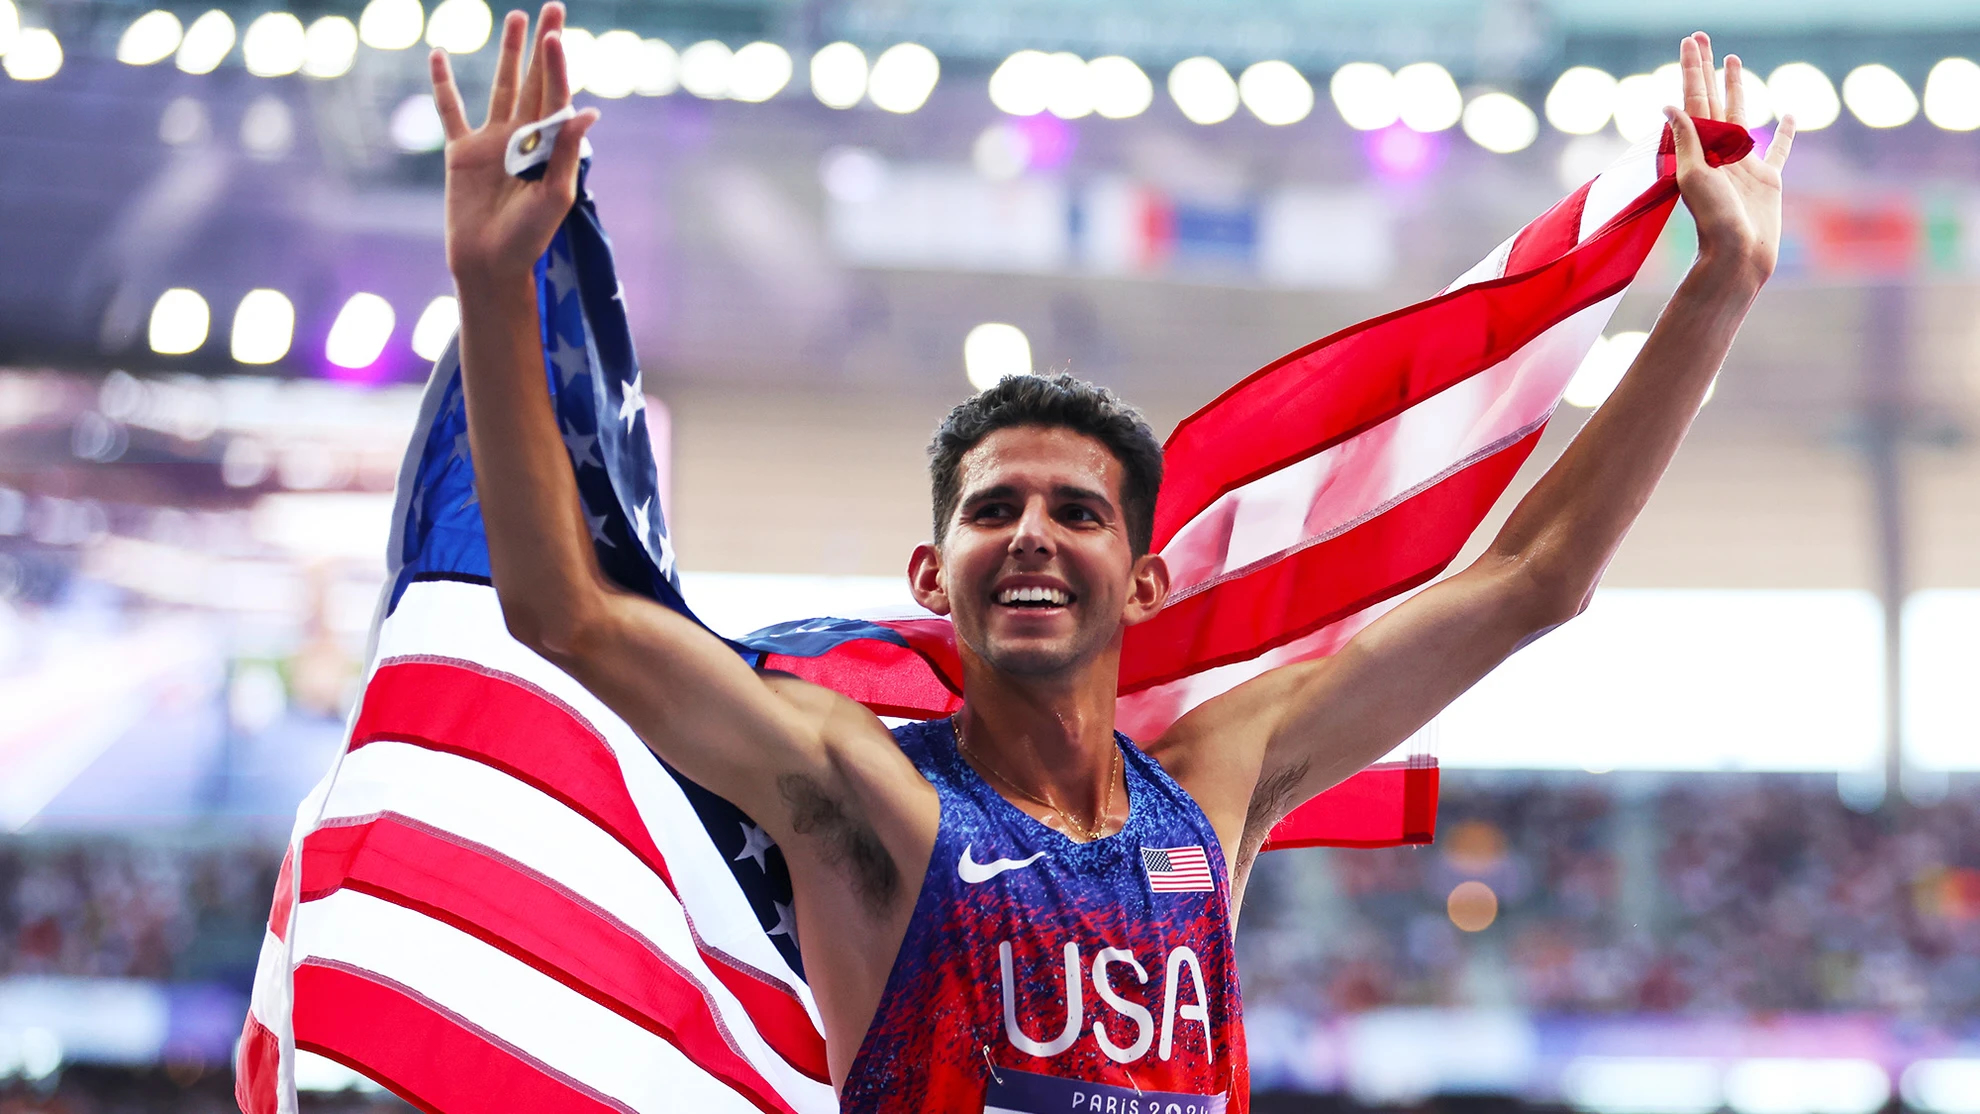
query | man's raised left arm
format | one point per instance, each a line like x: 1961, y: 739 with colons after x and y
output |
x: 1256, y: 752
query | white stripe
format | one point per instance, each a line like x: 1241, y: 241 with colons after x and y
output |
x: 489, y: 807
x: 452, y: 619
x: 537, y: 1014
x: 1333, y: 491
x: 1622, y: 183
x: 269, y: 1004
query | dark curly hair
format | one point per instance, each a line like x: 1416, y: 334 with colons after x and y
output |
x: 1057, y: 401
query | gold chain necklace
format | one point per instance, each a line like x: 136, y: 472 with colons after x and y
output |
x: 1086, y: 834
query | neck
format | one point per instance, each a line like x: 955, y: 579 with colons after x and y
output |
x: 1053, y: 737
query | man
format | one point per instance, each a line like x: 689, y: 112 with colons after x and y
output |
x: 1018, y: 908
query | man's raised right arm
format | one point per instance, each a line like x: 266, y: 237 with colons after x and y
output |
x: 686, y: 693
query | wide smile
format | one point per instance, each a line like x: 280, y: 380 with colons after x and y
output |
x: 1034, y: 599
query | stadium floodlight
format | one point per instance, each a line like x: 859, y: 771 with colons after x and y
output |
x: 1068, y: 86
x: 580, y: 57
x: 1500, y: 123
x: 838, y: 75
x: 1427, y: 97
x: 416, y: 128
x: 151, y: 38
x: 275, y: 45
x: 1952, y: 95
x: 1582, y: 101
x: 179, y: 319
x: 35, y: 56
x: 1203, y: 89
x: 705, y: 69
x: 903, y: 78
x: 10, y: 26
x: 329, y: 47
x: 613, y: 68
x: 994, y: 351
x: 1805, y: 93
x: 206, y: 44
x: 1642, y: 97
x: 264, y: 325
x: 1759, y: 102
x: 1017, y: 85
x: 759, y: 71
x: 358, y: 336
x: 1120, y: 88
x: 1275, y: 93
x: 659, y: 69
x: 391, y: 24
x: 1365, y: 95
x: 436, y: 326
x: 460, y: 26
x: 1880, y: 98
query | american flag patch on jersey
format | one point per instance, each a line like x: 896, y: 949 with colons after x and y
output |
x: 1174, y: 870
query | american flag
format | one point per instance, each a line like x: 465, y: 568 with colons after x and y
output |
x: 1175, y: 870
x: 497, y: 899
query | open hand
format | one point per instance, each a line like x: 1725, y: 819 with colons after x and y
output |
x: 498, y: 224
x: 1737, y: 206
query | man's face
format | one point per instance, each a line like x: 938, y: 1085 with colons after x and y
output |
x: 1036, y: 570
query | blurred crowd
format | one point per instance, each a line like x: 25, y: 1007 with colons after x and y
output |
x: 124, y: 907
x: 1692, y: 895
x: 1698, y: 894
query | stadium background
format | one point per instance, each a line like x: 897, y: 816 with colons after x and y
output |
x: 1714, y: 846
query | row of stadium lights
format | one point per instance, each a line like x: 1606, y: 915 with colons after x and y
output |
x: 264, y: 327
x: 1423, y: 96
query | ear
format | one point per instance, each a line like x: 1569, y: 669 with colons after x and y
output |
x: 1148, y: 589
x: 925, y: 579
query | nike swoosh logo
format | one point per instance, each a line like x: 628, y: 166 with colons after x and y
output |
x: 974, y: 872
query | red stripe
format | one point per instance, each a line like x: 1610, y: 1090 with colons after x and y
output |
x: 1389, y: 805
x: 1396, y: 550
x: 536, y: 920
x: 1550, y: 235
x: 504, y: 722
x: 257, y: 1069
x: 1363, y: 375
x: 425, y: 1053
x: 285, y: 896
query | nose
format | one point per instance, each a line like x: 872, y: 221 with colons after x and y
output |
x: 1033, y: 536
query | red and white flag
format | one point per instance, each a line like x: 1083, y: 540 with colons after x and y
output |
x: 497, y: 900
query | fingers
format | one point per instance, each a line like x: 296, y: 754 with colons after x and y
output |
x: 1777, y: 151
x: 447, y: 96
x: 561, y: 174
x: 1697, y: 79
x: 1684, y: 136
x: 1715, y: 104
x: 508, y: 69
x: 556, y: 75
x: 1735, y: 90
x: 530, y: 106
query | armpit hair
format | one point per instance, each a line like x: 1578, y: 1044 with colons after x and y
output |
x: 1270, y: 801
x: 849, y: 843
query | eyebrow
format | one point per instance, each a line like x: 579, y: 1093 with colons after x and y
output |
x: 1061, y: 491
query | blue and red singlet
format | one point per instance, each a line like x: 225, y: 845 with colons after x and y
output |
x: 1044, y: 976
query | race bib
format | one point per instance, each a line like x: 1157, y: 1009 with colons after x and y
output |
x: 1021, y: 1092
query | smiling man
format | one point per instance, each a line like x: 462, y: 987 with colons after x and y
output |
x: 1019, y: 908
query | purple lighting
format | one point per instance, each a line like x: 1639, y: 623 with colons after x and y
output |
x: 1048, y: 140
x: 1399, y: 153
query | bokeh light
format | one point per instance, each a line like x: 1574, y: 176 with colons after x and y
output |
x: 179, y: 320
x: 1120, y: 88
x: 151, y: 38
x: 758, y: 72
x: 206, y: 43
x: 460, y: 26
x: 1275, y: 93
x: 1878, y: 97
x: 1804, y: 92
x: 357, y: 338
x: 275, y: 45
x: 1582, y: 101
x: 436, y: 326
x: 1202, y: 88
x: 838, y: 75
x: 1952, y: 95
x: 391, y: 24
x: 1365, y: 95
x: 903, y: 77
x: 1500, y: 123
x: 330, y: 47
x: 36, y: 55
x: 1472, y: 906
x: 1427, y: 97
x: 264, y: 326
x: 993, y: 351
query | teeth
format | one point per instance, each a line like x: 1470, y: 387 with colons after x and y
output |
x: 1034, y: 595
